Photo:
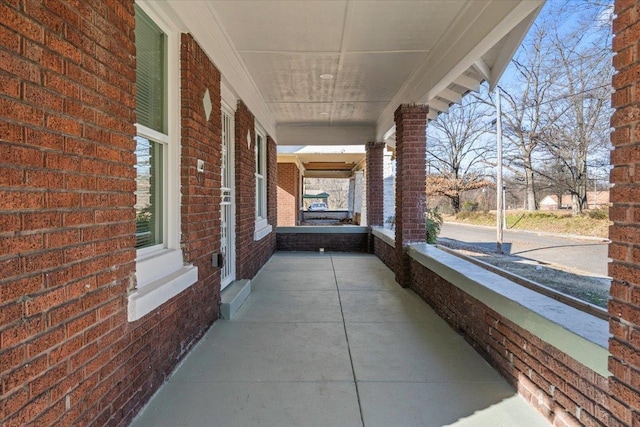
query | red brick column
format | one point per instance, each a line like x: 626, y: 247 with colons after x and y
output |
x: 624, y: 307
x: 272, y: 187
x: 288, y: 194
x: 375, y: 184
x: 411, y: 146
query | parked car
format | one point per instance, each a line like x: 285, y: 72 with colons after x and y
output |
x: 320, y: 206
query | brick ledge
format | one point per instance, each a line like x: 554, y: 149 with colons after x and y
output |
x: 580, y: 335
x: 386, y: 235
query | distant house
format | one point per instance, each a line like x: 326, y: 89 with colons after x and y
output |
x: 595, y: 199
x: 549, y: 203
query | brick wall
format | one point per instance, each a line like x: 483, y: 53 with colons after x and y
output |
x: 288, y: 194
x: 624, y: 306
x: 252, y: 255
x: 68, y: 355
x: 411, y: 127
x: 565, y: 391
x: 375, y: 183
x: 385, y: 252
x: 556, y: 385
x: 331, y: 242
x: 66, y: 229
x: 201, y: 139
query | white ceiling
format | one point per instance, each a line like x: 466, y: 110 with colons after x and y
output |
x: 381, y: 54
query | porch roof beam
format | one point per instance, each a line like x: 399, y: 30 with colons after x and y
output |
x: 325, y: 135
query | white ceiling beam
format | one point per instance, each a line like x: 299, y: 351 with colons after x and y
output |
x: 325, y: 135
x: 390, y: 140
x: 483, y: 68
x: 438, y: 105
x: 327, y: 174
x: 468, y: 82
x: 450, y: 95
x: 433, y: 114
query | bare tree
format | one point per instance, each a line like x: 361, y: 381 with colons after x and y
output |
x: 552, y: 179
x: 582, y: 93
x: 456, y: 150
x: 555, y: 103
x: 524, y: 114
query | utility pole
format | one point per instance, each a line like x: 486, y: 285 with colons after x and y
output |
x: 595, y: 189
x: 499, y: 185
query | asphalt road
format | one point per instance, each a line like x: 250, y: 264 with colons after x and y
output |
x: 587, y: 256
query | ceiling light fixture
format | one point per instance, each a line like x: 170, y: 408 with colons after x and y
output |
x: 324, y: 113
x: 326, y: 76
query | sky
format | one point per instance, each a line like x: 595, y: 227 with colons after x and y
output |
x: 569, y: 13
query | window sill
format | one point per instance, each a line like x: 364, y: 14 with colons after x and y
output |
x: 143, y: 301
x: 580, y: 335
x: 262, y: 230
x: 160, y: 276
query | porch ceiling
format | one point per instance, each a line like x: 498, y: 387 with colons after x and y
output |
x: 380, y: 54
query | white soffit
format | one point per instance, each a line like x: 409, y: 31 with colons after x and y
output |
x: 483, y: 40
x: 380, y: 53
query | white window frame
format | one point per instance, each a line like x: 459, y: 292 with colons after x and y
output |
x: 164, y: 142
x: 160, y: 270
x: 262, y: 228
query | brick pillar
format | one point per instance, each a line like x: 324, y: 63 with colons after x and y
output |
x: 272, y: 186
x: 624, y: 306
x: 375, y: 184
x: 288, y: 194
x: 411, y: 147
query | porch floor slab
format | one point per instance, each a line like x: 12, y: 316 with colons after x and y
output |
x: 329, y: 339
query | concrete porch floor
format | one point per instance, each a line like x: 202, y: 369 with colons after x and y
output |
x: 331, y: 340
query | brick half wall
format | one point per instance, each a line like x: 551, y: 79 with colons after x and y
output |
x: 331, y: 239
x: 555, y: 384
x: 385, y: 252
x: 564, y: 390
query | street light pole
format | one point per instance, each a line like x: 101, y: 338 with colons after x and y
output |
x: 499, y: 191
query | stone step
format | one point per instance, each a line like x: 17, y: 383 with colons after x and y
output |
x: 232, y: 298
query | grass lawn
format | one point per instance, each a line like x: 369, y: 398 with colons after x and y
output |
x: 590, y: 223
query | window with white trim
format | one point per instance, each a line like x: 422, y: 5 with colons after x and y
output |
x: 153, y: 136
x: 261, y: 187
x: 160, y: 270
x: 262, y: 226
